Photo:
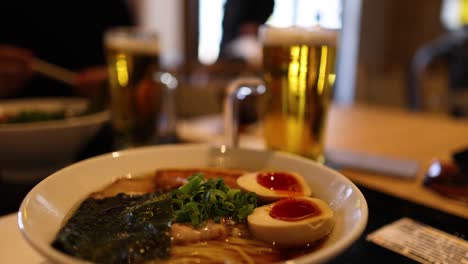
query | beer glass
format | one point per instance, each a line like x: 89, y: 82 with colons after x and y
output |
x: 298, y: 76
x: 136, y: 92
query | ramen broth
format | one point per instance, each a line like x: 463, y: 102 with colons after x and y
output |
x: 234, y: 245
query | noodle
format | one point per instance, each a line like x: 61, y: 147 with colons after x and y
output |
x: 241, y: 252
x: 233, y: 250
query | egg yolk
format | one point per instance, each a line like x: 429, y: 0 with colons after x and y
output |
x: 279, y: 181
x: 294, y: 210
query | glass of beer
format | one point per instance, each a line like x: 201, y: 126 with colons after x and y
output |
x: 136, y: 94
x: 298, y: 77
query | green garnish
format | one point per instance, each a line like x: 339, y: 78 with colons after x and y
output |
x: 200, y: 200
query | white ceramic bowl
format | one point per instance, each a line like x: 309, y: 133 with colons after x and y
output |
x: 36, y: 149
x: 43, y: 210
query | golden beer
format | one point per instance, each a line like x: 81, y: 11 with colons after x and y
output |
x: 133, y: 58
x: 299, y: 73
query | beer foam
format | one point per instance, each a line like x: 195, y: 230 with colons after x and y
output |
x: 297, y: 35
x: 143, y: 45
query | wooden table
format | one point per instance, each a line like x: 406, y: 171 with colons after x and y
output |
x: 402, y: 134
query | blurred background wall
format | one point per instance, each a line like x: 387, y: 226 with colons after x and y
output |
x: 390, y: 33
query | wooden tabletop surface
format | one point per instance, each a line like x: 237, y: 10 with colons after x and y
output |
x: 401, y: 134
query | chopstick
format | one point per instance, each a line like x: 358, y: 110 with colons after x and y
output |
x: 53, y: 71
x: 392, y: 166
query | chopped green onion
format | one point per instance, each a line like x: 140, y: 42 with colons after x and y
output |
x: 200, y: 200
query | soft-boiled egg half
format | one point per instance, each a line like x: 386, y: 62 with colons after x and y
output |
x: 274, y: 185
x: 295, y: 221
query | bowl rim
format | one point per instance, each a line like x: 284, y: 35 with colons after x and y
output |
x: 69, y: 122
x: 319, y: 256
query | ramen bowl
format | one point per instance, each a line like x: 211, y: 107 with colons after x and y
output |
x: 47, y: 134
x: 47, y: 206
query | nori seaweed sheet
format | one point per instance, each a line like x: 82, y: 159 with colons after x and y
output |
x: 119, y: 229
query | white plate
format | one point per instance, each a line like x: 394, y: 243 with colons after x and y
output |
x: 207, y: 128
x: 31, y: 151
x: 45, y: 207
x: 210, y: 129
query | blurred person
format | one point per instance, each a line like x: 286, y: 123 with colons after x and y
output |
x: 239, y: 42
x: 241, y: 21
x: 68, y: 34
